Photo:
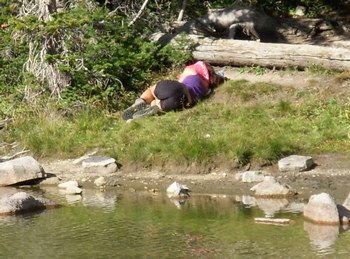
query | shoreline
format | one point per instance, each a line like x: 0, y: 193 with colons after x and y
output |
x: 331, y: 175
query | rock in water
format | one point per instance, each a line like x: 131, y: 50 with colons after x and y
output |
x: 65, y: 185
x: 177, y: 190
x: 322, y: 209
x: 21, y: 202
x: 270, y: 188
x: 72, y: 190
x: 20, y: 170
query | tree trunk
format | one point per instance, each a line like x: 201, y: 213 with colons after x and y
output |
x: 36, y: 64
x: 245, y: 53
x: 182, y: 11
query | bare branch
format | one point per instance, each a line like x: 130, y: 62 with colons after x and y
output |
x: 182, y: 11
x: 139, y: 13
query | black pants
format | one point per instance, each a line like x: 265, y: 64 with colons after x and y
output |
x: 171, y: 94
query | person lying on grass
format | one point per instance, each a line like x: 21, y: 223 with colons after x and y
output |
x: 191, y: 86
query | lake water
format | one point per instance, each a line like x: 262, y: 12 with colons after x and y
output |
x: 114, y: 224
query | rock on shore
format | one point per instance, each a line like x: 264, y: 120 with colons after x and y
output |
x: 295, y: 163
x: 20, y: 170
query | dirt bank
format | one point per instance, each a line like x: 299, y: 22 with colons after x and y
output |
x: 332, y: 175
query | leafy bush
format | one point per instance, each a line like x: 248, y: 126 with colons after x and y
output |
x: 107, y: 61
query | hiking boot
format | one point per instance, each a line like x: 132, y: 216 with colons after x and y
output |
x: 137, y: 106
x: 149, y: 111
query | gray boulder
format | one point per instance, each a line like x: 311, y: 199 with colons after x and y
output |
x: 100, y: 165
x: 21, y: 202
x: 295, y: 163
x: 322, y: 209
x: 20, y: 170
x: 270, y: 188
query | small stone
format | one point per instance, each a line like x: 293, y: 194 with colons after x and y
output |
x: 99, y: 182
x: 71, y: 183
x: 73, y: 190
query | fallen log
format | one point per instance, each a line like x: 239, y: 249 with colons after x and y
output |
x: 247, y: 53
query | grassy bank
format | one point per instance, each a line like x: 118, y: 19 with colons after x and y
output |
x: 240, y: 123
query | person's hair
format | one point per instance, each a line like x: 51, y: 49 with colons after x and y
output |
x: 215, y: 79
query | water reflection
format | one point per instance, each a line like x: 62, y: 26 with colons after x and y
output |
x: 89, y: 197
x: 179, y: 203
x: 146, y: 225
x: 271, y: 206
x: 322, y: 237
x: 99, y: 199
x: 71, y: 198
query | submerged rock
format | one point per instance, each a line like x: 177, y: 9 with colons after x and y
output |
x: 177, y: 190
x: 20, y: 170
x: 322, y: 209
x: 70, y: 187
x: 295, y: 163
x: 21, y: 202
x: 270, y: 188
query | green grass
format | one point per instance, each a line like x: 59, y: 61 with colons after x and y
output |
x: 212, y: 131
